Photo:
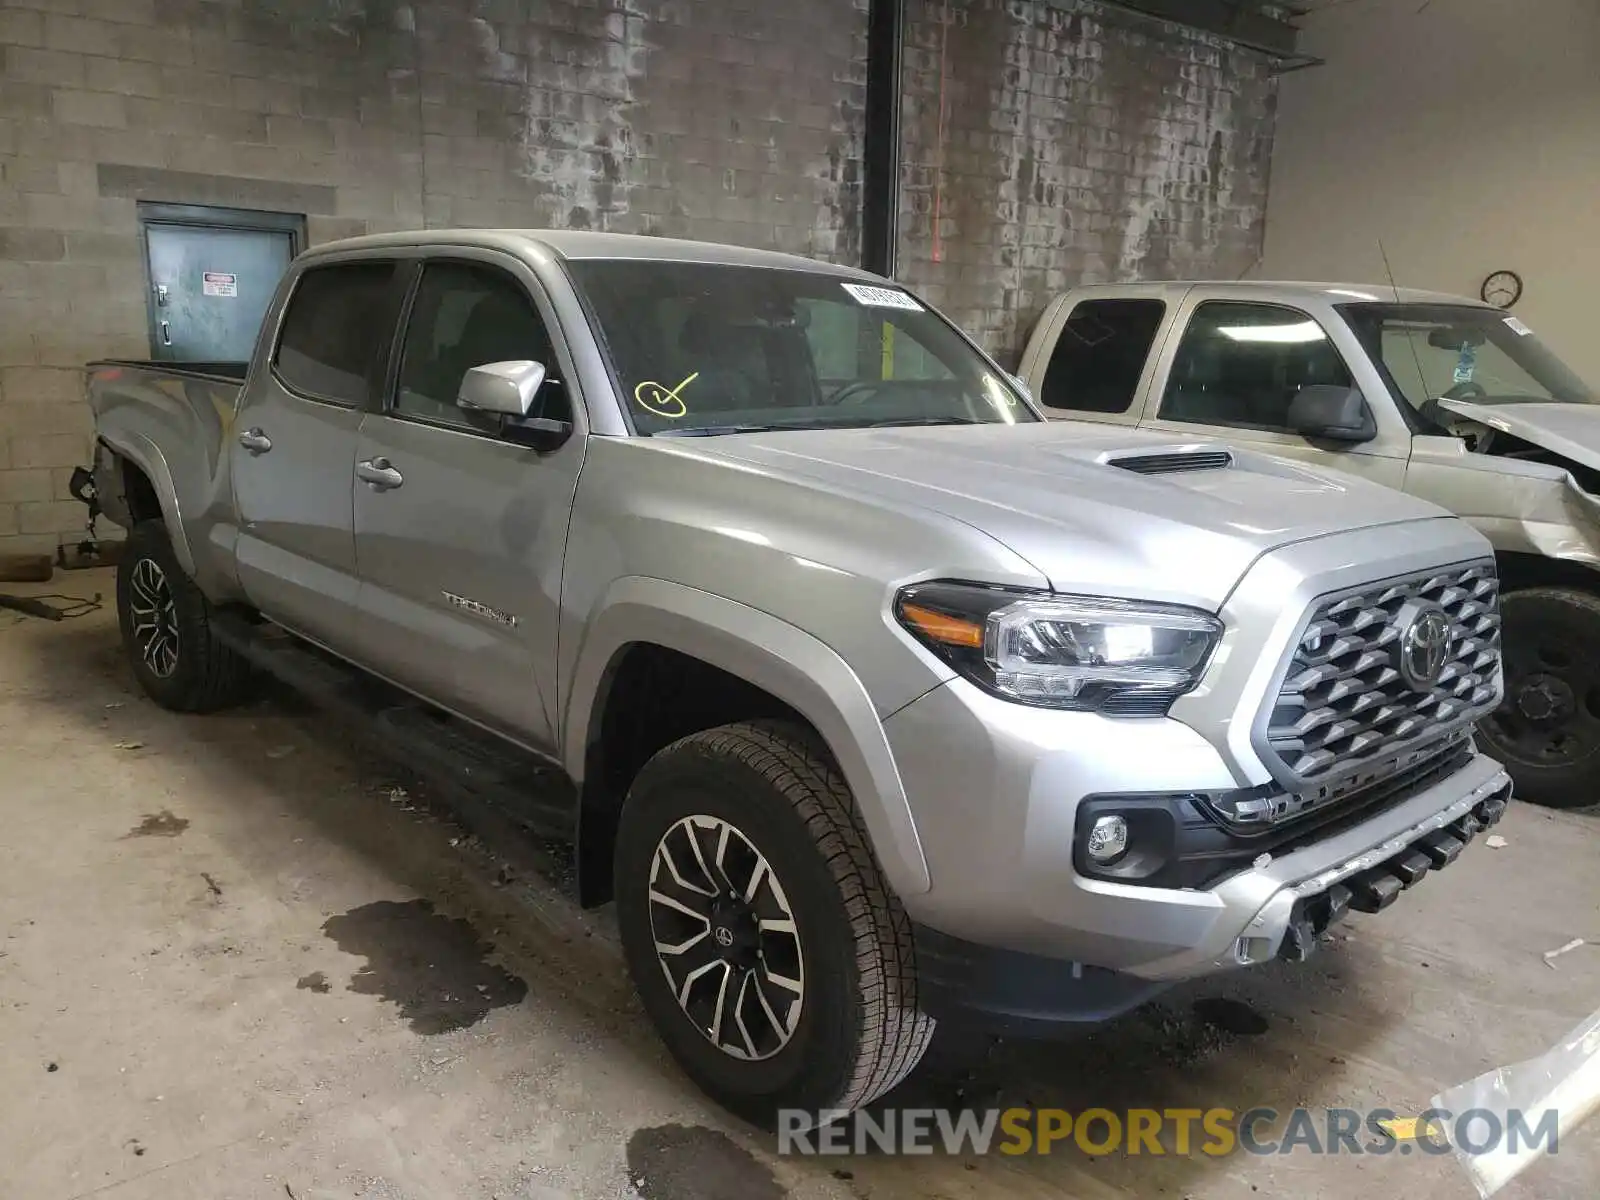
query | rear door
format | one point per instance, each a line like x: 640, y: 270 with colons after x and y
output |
x: 293, y: 447
x: 460, y: 542
x: 1232, y: 370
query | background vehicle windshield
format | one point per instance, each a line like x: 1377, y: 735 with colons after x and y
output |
x: 702, y: 348
x: 1461, y: 352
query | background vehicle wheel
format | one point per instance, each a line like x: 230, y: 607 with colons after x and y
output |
x: 166, y: 629
x: 1548, y: 730
x: 766, y: 947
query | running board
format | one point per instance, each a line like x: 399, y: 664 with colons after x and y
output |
x: 490, y: 781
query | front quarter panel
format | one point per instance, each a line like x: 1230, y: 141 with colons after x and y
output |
x: 1521, y: 507
x: 780, y: 581
x: 777, y: 657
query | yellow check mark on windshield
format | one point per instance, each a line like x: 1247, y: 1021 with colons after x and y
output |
x: 662, y: 401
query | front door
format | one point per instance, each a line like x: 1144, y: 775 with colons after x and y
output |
x: 460, y: 534
x: 294, y: 448
x: 1234, y: 371
x: 210, y: 287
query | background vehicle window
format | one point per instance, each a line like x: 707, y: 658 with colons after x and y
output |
x: 466, y: 316
x: 337, y: 319
x: 1100, y: 355
x: 1462, y: 352
x: 1242, y: 364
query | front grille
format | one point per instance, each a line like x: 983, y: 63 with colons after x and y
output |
x: 1171, y: 463
x: 1345, y: 698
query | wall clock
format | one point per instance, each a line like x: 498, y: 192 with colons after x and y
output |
x: 1502, y: 289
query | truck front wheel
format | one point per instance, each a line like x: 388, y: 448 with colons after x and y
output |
x: 766, y: 947
x: 1548, y: 730
x: 166, y: 630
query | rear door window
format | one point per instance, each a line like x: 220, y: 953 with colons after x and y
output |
x: 339, y: 319
x: 1100, y: 355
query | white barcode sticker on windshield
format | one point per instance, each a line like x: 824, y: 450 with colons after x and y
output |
x: 1517, y: 327
x: 881, y: 297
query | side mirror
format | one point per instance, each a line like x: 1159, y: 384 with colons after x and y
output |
x: 1334, y: 414
x: 506, y: 388
x: 509, y: 390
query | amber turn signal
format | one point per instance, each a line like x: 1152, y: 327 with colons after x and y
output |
x: 941, y: 627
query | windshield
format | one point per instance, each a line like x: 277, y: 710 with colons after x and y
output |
x: 702, y: 349
x: 1462, y: 352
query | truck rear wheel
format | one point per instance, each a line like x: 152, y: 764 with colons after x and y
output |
x: 766, y: 947
x: 1548, y: 730
x: 166, y: 631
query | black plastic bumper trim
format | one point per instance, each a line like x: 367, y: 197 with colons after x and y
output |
x: 1376, y: 888
x: 1008, y: 991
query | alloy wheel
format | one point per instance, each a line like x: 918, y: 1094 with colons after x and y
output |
x: 726, y: 937
x: 154, y: 618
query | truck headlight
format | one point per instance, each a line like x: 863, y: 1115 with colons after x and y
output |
x: 1079, y: 652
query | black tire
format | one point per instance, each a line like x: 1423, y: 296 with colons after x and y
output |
x: 1547, y: 733
x: 200, y: 674
x: 858, y: 1032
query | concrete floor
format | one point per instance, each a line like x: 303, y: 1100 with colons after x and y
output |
x: 234, y: 962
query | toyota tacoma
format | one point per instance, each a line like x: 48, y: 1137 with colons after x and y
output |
x: 885, y: 699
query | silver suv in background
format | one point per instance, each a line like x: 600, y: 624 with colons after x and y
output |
x: 885, y: 698
x: 1446, y: 398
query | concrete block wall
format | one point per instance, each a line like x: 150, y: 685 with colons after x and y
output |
x: 1078, y: 142
x: 734, y: 120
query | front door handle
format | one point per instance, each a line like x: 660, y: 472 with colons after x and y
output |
x: 255, y: 441
x: 379, y: 475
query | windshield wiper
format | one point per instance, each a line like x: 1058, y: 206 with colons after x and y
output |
x: 856, y: 423
x: 719, y: 430
x: 906, y: 422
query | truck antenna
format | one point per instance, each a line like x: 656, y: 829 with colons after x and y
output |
x: 1411, y: 340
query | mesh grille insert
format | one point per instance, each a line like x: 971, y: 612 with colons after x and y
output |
x: 1344, y: 699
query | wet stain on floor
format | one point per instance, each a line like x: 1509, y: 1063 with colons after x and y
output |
x: 433, y: 967
x: 314, y: 982
x: 690, y: 1162
x: 1230, y: 1016
x: 160, y: 824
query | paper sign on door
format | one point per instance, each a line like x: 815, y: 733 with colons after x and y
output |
x: 219, y: 283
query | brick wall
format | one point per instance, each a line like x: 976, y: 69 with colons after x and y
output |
x: 1079, y: 142
x: 735, y: 120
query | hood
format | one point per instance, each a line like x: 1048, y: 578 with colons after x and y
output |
x: 1570, y: 430
x: 1050, y: 493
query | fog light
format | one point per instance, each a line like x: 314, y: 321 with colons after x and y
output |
x: 1108, y: 838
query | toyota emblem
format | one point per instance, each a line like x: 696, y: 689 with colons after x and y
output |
x: 1424, y: 647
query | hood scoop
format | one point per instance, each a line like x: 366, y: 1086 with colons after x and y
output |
x: 1169, y: 461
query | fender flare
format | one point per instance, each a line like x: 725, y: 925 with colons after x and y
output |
x: 770, y: 653
x: 146, y: 455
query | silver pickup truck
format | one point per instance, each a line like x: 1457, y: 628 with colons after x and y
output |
x: 886, y: 699
x: 1446, y: 398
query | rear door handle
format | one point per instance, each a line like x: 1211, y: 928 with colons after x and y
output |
x: 379, y: 475
x: 255, y: 441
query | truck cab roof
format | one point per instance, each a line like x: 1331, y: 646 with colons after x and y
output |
x: 1290, y: 291
x: 587, y: 244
